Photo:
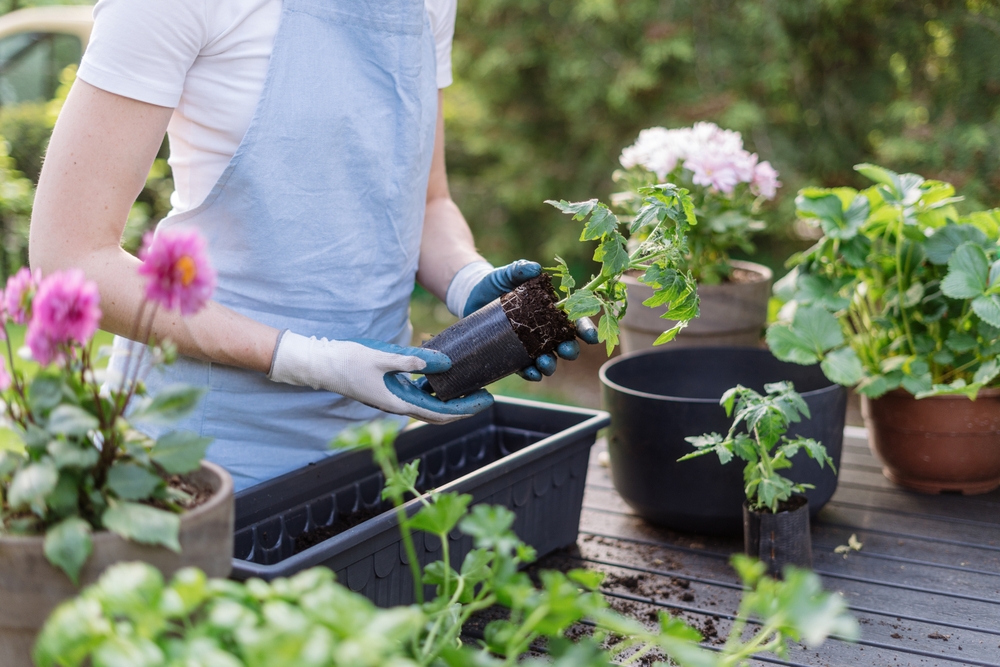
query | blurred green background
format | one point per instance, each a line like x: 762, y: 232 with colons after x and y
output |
x: 547, y: 93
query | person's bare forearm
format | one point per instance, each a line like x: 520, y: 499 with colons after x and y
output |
x: 446, y: 244
x: 96, y: 165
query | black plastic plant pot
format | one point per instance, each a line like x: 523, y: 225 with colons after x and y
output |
x: 483, y: 348
x: 529, y: 457
x: 781, y: 538
x: 499, y: 339
x: 659, y: 397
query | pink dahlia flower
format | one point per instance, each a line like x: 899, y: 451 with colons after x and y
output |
x: 177, y: 270
x: 65, y: 310
x: 19, y: 293
x: 765, y: 181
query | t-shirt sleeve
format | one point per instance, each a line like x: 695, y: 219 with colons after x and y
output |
x: 442, y: 14
x: 142, y: 49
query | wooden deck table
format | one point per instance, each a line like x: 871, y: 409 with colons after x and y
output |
x: 925, y: 586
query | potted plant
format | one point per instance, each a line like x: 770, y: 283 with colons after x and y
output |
x: 506, y: 335
x: 131, y: 617
x: 728, y: 186
x: 775, y: 514
x: 901, y: 296
x: 85, y: 489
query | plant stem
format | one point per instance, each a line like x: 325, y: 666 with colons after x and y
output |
x: 900, y: 290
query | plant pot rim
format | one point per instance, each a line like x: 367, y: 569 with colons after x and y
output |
x: 764, y: 273
x: 603, y: 374
x: 803, y: 506
x: 221, y: 495
x: 986, y: 392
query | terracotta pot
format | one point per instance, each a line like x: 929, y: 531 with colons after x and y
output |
x: 938, y: 444
x: 779, y: 539
x: 732, y: 314
x: 30, y: 588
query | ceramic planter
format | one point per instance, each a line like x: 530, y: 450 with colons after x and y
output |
x: 530, y: 457
x: 938, y: 444
x: 732, y: 313
x: 30, y: 588
x: 779, y: 539
x: 658, y: 397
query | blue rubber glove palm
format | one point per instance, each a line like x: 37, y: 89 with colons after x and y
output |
x: 498, y: 282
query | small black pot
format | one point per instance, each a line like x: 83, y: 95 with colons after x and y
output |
x: 779, y: 539
x: 658, y: 397
x: 483, y: 348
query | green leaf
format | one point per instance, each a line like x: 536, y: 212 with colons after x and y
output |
x: 31, y: 484
x: 71, y: 420
x: 404, y: 479
x: 988, y: 308
x: 476, y: 566
x: 602, y: 222
x: 955, y: 388
x: 878, y: 174
x: 71, y: 633
x: 45, y: 393
x: 579, y: 210
x: 987, y: 372
x: 941, y: 245
x: 143, y: 524
x: 612, y: 255
x: 589, y: 579
x: 179, y: 452
x: 487, y: 524
x: 968, y: 271
x: 173, y: 403
x: 132, y: 482
x: 710, y: 442
x: 607, y: 332
x: 836, y: 222
x: 668, y: 335
x: 685, y: 308
x: 582, y: 303
x: 443, y: 513
x: 812, y: 332
x: 843, y: 366
x: 71, y: 455
x: 68, y: 546
x: 960, y: 342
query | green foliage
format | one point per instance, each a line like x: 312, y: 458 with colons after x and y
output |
x: 901, y: 290
x: 132, y: 617
x: 762, y: 442
x: 546, y: 95
x: 666, y: 215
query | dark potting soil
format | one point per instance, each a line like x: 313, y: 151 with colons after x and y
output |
x: 790, y: 505
x: 319, y: 534
x: 532, y: 312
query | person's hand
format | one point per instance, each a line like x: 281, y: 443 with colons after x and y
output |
x: 373, y: 373
x: 478, y: 284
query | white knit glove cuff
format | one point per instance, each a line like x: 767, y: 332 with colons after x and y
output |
x: 463, y: 283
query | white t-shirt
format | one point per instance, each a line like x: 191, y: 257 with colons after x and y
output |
x: 208, y: 60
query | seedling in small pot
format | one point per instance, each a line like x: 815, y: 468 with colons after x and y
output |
x: 533, y: 319
x: 775, y: 518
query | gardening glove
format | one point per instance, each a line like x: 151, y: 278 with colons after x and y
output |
x: 478, y: 283
x: 371, y: 372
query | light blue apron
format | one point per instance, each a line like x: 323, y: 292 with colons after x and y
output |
x: 315, y: 224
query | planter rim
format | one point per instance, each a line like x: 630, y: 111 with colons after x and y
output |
x: 803, y: 506
x: 764, y: 272
x: 224, y: 492
x: 985, y: 392
x: 603, y: 373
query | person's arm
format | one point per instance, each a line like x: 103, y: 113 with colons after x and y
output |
x: 96, y: 164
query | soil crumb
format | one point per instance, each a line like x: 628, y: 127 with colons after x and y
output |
x: 319, y: 534
x: 539, y: 325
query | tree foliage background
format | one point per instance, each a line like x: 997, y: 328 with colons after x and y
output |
x: 547, y: 94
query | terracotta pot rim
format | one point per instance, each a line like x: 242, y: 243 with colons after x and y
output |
x: 986, y: 392
x: 763, y: 273
x: 220, y: 496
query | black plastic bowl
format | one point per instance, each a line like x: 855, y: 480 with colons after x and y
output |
x: 659, y: 397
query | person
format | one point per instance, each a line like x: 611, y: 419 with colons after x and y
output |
x: 307, y: 146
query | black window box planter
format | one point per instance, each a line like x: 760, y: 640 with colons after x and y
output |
x: 530, y: 457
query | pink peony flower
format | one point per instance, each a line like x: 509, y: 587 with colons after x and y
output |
x: 177, y: 270
x: 65, y: 310
x: 20, y: 291
x: 765, y: 181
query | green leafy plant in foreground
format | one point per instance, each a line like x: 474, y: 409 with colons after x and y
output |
x: 901, y: 290
x: 666, y: 214
x: 131, y: 617
x: 763, y: 444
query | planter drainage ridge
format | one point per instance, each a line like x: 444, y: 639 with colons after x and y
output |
x: 529, y: 457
